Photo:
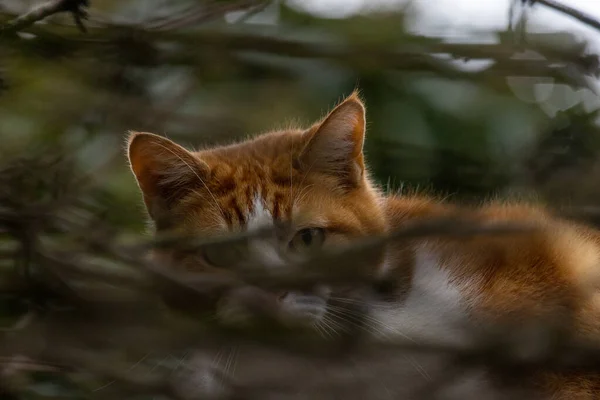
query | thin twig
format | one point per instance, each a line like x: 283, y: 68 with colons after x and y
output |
x: 565, y: 9
x: 198, y: 14
x: 419, y: 57
x: 44, y: 11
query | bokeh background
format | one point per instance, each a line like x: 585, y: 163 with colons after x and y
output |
x: 470, y: 99
x: 467, y: 98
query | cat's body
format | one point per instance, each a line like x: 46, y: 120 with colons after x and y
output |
x: 548, y: 271
x: 313, y: 186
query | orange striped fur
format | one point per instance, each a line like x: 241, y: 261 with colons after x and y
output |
x: 316, y: 178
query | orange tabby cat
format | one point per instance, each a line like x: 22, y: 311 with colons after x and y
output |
x: 313, y: 186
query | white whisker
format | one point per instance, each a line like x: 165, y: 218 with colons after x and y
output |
x: 370, y: 323
x: 318, y: 328
x: 329, y: 330
x: 334, y: 326
x: 418, y: 367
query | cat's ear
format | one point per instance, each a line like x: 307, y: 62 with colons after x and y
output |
x: 335, y: 145
x: 164, y: 170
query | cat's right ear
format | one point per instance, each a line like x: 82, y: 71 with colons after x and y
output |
x: 164, y: 170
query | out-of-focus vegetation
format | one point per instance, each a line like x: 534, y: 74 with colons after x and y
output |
x: 470, y: 120
x: 202, y: 72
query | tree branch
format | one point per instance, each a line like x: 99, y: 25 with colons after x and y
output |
x: 198, y: 14
x: 579, y: 15
x: 44, y: 11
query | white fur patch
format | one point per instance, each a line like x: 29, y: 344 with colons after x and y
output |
x: 263, y: 250
x: 432, y: 310
x: 309, y: 308
x: 260, y: 216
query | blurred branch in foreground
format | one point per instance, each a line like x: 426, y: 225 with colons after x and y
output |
x: 86, y: 307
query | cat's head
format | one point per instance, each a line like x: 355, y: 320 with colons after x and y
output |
x: 310, y: 184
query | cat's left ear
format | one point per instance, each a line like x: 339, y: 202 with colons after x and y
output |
x: 335, y: 145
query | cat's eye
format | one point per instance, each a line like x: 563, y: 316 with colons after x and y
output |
x: 307, y: 239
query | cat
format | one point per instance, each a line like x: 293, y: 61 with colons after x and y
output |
x: 313, y: 187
